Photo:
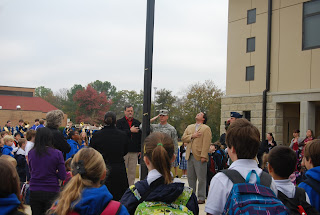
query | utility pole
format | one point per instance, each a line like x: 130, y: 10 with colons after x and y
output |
x: 147, y: 83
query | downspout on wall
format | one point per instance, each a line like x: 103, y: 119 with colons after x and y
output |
x: 264, y: 96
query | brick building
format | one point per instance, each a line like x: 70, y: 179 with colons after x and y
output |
x: 19, y: 103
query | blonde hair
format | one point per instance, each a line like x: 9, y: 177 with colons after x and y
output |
x: 7, y: 138
x: 94, y: 168
x: 159, y: 149
x: 10, y: 159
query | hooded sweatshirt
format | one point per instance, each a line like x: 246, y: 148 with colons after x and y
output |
x: 9, y: 204
x: 94, y: 201
x: 313, y: 173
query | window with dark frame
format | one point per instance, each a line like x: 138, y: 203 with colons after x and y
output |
x: 311, y: 25
x: 251, y: 16
x: 251, y: 44
x: 250, y: 73
x: 247, y: 115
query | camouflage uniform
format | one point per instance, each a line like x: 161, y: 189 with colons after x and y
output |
x: 171, y: 131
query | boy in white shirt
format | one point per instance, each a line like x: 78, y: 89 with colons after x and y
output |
x: 243, y: 141
x: 31, y: 136
x: 281, y: 164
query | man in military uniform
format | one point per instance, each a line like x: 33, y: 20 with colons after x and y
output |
x: 165, y: 127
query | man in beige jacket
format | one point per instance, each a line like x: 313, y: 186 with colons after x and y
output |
x: 198, y: 136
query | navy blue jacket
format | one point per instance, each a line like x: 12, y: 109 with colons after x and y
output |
x: 165, y: 192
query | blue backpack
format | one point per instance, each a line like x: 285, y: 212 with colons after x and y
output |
x: 246, y: 198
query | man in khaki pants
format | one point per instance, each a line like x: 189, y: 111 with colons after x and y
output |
x: 131, y: 127
x: 198, y: 136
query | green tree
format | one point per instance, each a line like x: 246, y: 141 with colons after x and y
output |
x: 164, y: 100
x: 42, y: 91
x: 105, y: 87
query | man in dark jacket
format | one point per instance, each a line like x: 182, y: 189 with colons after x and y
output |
x: 131, y: 127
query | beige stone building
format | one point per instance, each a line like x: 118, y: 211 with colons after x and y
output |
x: 292, y: 98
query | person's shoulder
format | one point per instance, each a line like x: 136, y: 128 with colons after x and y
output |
x: 136, y: 121
x: 171, y: 127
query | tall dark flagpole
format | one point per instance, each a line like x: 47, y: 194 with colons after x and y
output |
x: 147, y: 83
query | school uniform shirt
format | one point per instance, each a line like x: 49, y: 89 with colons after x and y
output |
x: 29, y: 146
x: 221, y: 185
x: 6, y: 150
x: 288, y: 188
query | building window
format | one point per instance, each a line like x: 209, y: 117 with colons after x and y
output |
x: 247, y: 114
x: 311, y: 25
x: 250, y: 73
x: 251, y: 44
x: 251, y: 16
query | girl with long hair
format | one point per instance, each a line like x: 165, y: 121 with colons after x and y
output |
x: 46, y: 165
x: 84, y: 193
x: 160, y: 185
x: 9, y: 189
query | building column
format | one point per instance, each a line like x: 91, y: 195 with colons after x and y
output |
x: 307, y: 117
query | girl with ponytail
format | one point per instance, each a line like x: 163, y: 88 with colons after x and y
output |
x: 85, y: 192
x: 160, y: 185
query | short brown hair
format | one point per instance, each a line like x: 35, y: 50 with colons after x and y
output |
x: 30, y: 134
x: 3, y: 133
x: 21, y: 141
x: 244, y: 137
x: 312, y: 150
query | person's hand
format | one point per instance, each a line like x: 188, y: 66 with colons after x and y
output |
x: 139, y: 155
x: 134, y: 129
x: 196, y: 134
x: 203, y: 160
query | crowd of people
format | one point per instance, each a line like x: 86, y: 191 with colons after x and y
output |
x: 93, y: 171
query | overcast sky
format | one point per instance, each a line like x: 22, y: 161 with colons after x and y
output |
x: 60, y: 43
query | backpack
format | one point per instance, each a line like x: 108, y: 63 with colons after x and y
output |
x: 298, y: 204
x: 247, y: 198
x: 175, y: 208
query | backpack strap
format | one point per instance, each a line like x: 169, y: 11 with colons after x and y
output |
x: 300, y: 194
x: 153, y: 186
x: 113, y: 208
x: 234, y: 176
x: 315, y: 185
x: 265, y: 179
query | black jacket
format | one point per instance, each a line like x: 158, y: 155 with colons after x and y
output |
x: 59, y: 142
x: 112, y: 143
x: 134, y: 139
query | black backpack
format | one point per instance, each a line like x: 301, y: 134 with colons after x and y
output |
x: 298, y: 203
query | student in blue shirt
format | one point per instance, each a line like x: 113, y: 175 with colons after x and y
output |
x: 7, y: 148
x: 74, y: 137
